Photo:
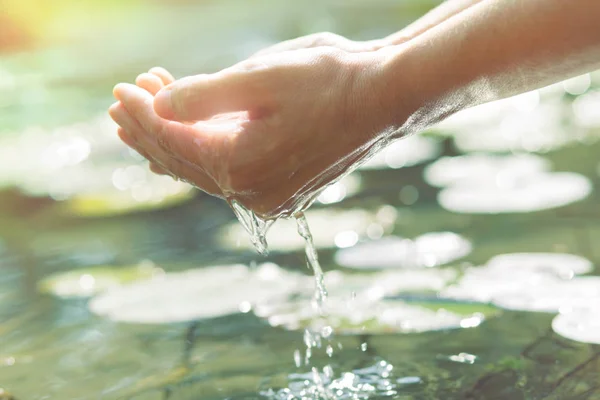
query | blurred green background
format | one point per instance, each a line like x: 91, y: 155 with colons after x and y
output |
x: 81, y: 214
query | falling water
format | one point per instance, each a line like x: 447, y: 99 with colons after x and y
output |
x: 313, y: 261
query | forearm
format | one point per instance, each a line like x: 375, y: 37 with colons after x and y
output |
x: 438, y: 15
x: 494, y: 49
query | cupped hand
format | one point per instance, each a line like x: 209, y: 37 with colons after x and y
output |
x: 270, y: 132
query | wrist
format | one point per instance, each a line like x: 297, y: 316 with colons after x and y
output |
x: 414, y: 89
x: 391, y: 90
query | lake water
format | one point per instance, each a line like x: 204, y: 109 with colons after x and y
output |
x: 406, y: 323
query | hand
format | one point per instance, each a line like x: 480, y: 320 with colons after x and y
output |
x: 269, y: 132
x: 323, y: 39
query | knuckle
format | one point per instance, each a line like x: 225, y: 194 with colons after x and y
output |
x: 325, y: 38
x: 180, y: 97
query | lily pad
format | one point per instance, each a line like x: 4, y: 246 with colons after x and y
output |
x: 585, y: 110
x: 489, y: 114
x: 558, y: 264
x: 357, y: 304
x: 37, y: 160
x: 539, y: 282
x: 326, y: 226
x: 466, y: 308
x: 377, y: 318
x: 552, y: 295
x: 483, y: 169
x: 404, y: 153
x: 196, y: 294
x: 533, y: 128
x: 163, y: 193
x: 428, y: 250
x: 582, y: 325
x: 87, y: 282
x: 527, y: 194
x: 483, y: 284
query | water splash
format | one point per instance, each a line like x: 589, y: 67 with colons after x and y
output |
x: 316, y: 386
x: 361, y: 384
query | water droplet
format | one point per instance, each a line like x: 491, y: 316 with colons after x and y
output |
x: 326, y: 331
x: 245, y: 307
x: 297, y: 358
x: 329, y: 350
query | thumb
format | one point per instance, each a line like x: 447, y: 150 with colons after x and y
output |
x: 200, y: 97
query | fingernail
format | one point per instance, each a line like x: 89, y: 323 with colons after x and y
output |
x: 118, y: 91
x: 163, y: 103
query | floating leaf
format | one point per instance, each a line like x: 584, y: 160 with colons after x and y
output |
x: 552, y: 295
x: 141, y: 198
x: 428, y: 250
x: 196, y: 294
x: 527, y: 194
x: 483, y: 169
x: 357, y: 304
x: 582, y: 325
x: 87, y: 282
x: 558, y: 264
x: 529, y: 282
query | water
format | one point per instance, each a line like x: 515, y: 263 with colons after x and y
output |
x: 54, y: 348
x: 312, y: 259
x: 377, y: 380
x: 257, y: 228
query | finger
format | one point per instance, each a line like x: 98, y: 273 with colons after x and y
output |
x: 163, y: 74
x: 200, y: 97
x: 162, y: 163
x: 126, y: 138
x: 121, y: 116
x: 146, y: 143
x: 200, y: 143
x: 149, y: 82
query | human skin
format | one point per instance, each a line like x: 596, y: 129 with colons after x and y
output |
x: 272, y: 131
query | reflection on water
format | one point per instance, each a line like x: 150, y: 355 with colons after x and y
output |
x: 117, y: 284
